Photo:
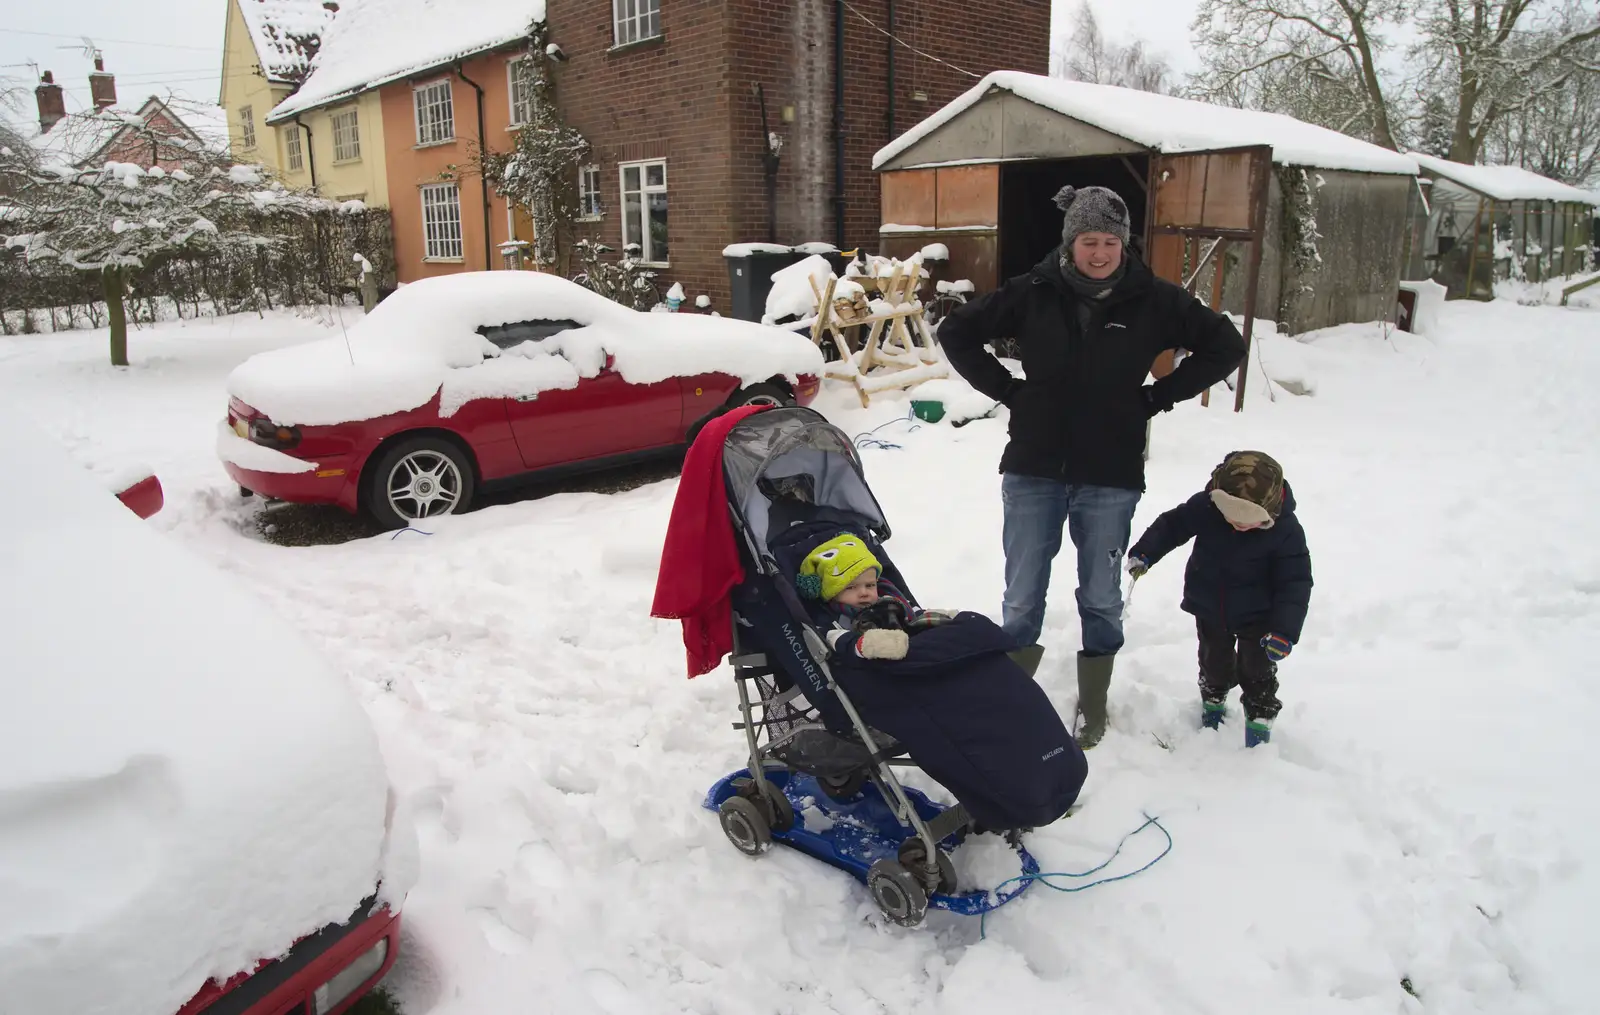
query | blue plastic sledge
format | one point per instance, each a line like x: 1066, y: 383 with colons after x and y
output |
x: 861, y: 836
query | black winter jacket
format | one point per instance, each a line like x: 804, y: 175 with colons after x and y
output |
x: 1242, y: 581
x: 1080, y: 415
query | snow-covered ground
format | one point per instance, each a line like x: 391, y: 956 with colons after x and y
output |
x: 1427, y: 810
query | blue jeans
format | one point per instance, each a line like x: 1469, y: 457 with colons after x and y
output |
x: 1099, y: 520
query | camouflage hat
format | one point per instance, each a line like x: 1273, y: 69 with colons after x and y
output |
x: 1252, y: 476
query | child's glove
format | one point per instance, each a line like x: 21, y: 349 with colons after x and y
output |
x: 1137, y: 566
x: 1277, y: 646
x: 879, y: 643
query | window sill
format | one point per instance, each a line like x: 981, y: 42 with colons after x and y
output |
x: 627, y: 47
x: 590, y: 218
x: 444, y: 260
x: 346, y: 162
x: 655, y: 265
x: 433, y: 144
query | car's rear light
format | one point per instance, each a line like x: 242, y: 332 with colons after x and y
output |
x: 349, y: 979
x: 264, y: 431
x: 808, y: 386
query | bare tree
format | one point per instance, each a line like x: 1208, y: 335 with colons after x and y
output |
x: 1556, y: 132
x: 1084, y: 54
x: 1496, y: 59
x: 1475, y: 63
x: 1316, y: 59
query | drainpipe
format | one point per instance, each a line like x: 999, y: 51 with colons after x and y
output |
x: 889, y: 46
x: 311, y: 153
x: 838, y: 124
x: 483, y: 185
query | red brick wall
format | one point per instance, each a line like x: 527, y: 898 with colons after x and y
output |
x: 137, y: 147
x: 688, y: 97
x: 665, y: 98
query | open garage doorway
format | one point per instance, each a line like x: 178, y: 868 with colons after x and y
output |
x: 1030, y: 223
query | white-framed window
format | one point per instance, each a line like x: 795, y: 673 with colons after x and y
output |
x: 635, y: 20
x: 644, y: 208
x: 247, y: 126
x: 346, y: 135
x: 589, y: 206
x: 441, y: 222
x: 436, y: 117
x: 293, y: 154
x: 520, y: 80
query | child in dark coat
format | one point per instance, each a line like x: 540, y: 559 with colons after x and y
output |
x: 1248, y: 583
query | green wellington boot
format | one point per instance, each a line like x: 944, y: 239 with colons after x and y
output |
x: 1094, y: 680
x: 1028, y: 657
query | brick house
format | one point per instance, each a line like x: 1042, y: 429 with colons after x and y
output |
x: 670, y: 93
x: 158, y: 133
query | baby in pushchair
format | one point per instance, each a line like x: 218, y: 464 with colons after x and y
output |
x: 872, y: 613
x: 853, y: 679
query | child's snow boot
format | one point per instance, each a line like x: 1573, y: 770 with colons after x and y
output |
x: 1257, y: 732
x: 1212, y: 712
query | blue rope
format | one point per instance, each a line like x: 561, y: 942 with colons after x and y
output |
x: 866, y: 440
x: 1045, y: 877
x: 408, y: 528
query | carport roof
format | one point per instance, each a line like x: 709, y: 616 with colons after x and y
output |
x: 1169, y: 125
x: 1506, y: 183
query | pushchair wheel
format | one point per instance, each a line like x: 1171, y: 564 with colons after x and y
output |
x: 745, y: 826
x: 898, y: 893
x: 842, y: 787
x: 939, y: 876
x: 775, y: 805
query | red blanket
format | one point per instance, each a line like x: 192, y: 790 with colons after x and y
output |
x: 699, y: 561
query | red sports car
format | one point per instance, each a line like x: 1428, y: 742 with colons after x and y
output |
x: 462, y: 383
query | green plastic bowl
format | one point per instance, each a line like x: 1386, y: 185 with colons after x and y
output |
x: 927, y: 410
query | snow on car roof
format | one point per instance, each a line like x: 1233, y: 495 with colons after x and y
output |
x: 374, y: 42
x: 424, y: 340
x: 185, y: 786
x: 1170, y: 125
x: 1505, y: 183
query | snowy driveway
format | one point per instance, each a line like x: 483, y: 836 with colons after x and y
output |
x: 1427, y: 810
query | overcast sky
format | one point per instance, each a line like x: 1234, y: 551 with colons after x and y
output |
x: 154, y: 46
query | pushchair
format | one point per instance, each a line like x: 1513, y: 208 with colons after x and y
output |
x: 825, y: 733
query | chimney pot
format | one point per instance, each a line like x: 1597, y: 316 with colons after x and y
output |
x: 102, y: 86
x: 52, y: 103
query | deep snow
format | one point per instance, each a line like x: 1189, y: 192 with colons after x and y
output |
x: 1426, y: 810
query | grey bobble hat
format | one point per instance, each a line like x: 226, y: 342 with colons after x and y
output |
x: 1091, y: 210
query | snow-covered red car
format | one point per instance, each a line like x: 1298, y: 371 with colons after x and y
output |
x: 460, y: 383
x: 194, y: 814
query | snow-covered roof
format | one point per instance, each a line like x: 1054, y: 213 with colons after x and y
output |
x: 1505, y: 183
x: 424, y: 341
x: 286, y: 34
x: 189, y: 787
x: 78, y: 137
x: 207, y: 120
x: 1170, y: 125
x: 374, y: 42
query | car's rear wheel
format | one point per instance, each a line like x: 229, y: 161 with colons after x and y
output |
x: 419, y: 478
x: 763, y: 394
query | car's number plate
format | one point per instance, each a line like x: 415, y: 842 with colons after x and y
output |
x: 241, y: 428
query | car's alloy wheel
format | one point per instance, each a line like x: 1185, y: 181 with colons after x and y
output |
x: 424, y: 484
x: 424, y: 477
